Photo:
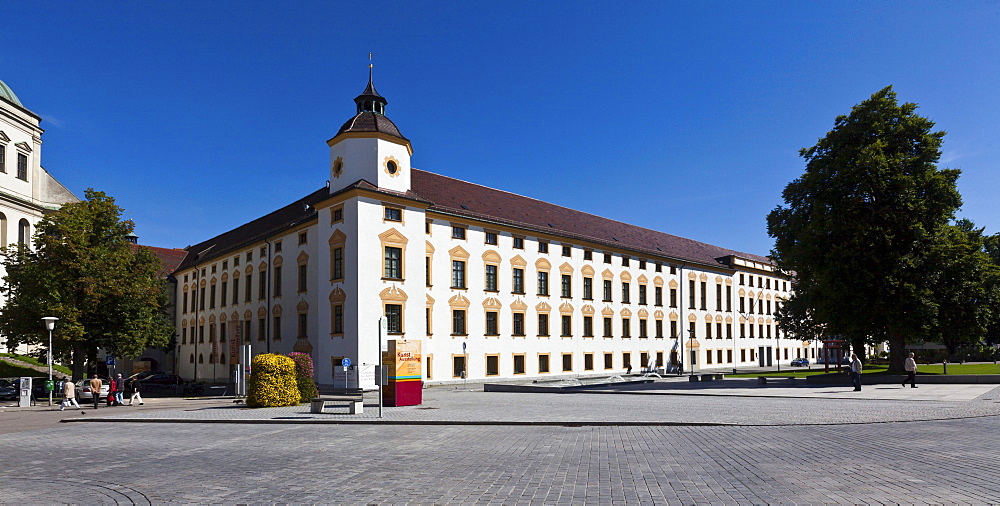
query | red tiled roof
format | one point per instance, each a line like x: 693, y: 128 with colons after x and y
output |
x: 171, y: 258
x: 453, y: 196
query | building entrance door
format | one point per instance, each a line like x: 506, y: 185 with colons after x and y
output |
x: 760, y: 356
x: 769, y: 352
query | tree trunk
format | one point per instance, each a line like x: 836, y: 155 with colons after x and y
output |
x: 858, y: 347
x: 79, y: 362
x: 897, y: 352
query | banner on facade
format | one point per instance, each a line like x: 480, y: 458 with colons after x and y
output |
x: 233, y: 330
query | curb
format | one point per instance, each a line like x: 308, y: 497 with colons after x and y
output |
x: 512, y: 423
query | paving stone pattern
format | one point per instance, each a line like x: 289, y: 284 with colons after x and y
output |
x: 631, y: 406
x: 776, y: 455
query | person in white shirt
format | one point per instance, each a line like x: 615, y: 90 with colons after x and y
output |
x: 856, y: 372
x: 911, y: 371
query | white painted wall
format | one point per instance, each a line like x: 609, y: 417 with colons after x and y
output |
x: 364, y: 158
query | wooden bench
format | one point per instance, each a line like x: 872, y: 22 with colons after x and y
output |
x: 355, y: 405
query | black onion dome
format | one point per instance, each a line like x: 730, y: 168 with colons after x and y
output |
x: 371, y: 114
x: 371, y: 122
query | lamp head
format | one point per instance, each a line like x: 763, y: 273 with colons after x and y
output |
x: 50, y: 322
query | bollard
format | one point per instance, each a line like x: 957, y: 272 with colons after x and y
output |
x: 945, y: 366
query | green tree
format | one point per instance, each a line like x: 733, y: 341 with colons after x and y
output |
x: 106, y: 292
x: 966, y: 288
x: 991, y: 245
x: 859, y: 226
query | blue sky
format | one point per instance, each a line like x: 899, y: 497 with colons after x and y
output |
x: 684, y: 117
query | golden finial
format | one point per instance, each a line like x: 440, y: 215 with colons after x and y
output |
x: 369, y: 60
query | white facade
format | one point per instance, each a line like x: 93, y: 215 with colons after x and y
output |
x: 366, y: 245
x: 27, y: 190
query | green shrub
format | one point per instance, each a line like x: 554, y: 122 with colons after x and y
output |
x: 39, y: 362
x: 304, y: 376
x: 272, y: 382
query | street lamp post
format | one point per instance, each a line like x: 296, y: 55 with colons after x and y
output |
x: 691, y: 338
x: 50, y: 323
x: 680, y: 356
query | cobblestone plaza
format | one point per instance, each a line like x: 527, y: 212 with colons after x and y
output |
x: 638, y: 445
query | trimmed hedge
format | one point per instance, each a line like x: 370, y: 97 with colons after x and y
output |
x: 304, y: 376
x: 272, y: 382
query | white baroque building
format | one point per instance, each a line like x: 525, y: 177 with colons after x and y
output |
x: 495, y: 285
x: 27, y: 190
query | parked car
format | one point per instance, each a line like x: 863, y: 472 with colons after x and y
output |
x: 162, y: 379
x: 162, y: 384
x: 38, y: 388
x: 8, y: 391
x: 138, y: 377
x: 83, y: 389
x: 799, y: 362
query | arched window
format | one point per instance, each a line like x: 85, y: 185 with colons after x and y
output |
x: 23, y: 231
x: 201, y: 358
x: 192, y: 358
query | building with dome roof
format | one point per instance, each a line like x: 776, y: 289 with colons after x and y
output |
x: 27, y: 190
x: 493, y: 285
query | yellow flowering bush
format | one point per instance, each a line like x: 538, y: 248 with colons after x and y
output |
x: 272, y: 382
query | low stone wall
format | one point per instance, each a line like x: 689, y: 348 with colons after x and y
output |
x: 886, y: 379
x: 552, y: 388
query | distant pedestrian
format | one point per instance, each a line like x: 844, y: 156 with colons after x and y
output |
x: 69, y: 395
x: 95, y: 389
x: 856, y: 372
x: 119, y: 384
x: 136, y: 388
x: 911, y: 371
x: 111, y: 392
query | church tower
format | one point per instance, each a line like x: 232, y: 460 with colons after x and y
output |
x: 370, y: 147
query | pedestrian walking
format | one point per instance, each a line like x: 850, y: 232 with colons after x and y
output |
x: 111, y: 392
x: 119, y: 390
x: 856, y: 372
x: 911, y: 371
x: 95, y: 389
x: 136, y: 387
x: 69, y: 395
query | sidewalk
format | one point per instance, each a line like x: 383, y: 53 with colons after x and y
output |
x: 663, y: 402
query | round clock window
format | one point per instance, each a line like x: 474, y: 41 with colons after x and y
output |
x: 391, y: 166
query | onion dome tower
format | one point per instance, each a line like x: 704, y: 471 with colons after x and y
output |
x: 369, y: 146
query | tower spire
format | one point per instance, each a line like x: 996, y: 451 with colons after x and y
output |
x: 369, y: 100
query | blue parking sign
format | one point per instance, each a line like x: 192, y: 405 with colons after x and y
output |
x: 110, y: 360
